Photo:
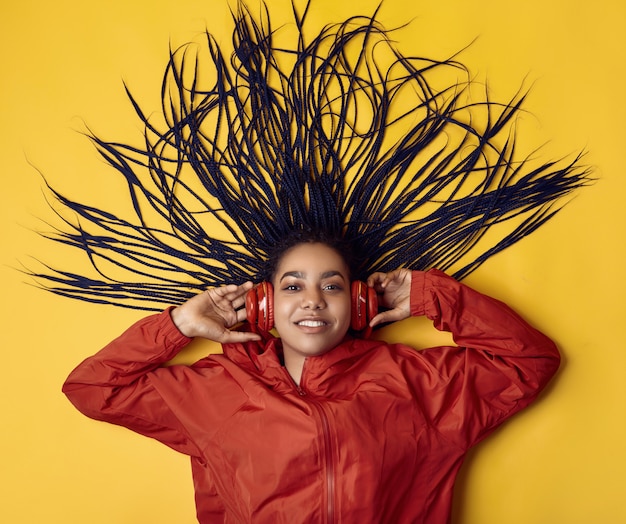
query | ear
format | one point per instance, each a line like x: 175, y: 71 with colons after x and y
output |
x: 364, y: 307
x: 260, y: 306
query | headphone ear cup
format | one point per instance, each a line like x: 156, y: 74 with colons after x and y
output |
x: 260, y: 306
x: 372, y: 309
x: 357, y: 299
x: 252, y: 307
x: 364, y: 307
x: 266, y: 306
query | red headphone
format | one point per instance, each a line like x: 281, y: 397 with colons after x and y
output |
x: 260, y: 306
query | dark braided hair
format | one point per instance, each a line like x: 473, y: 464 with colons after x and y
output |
x: 296, y: 237
x: 338, y: 133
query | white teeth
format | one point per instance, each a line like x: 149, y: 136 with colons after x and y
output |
x: 311, y: 323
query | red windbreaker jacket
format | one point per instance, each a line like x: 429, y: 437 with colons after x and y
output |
x: 376, y: 432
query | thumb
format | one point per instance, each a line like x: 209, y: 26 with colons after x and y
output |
x: 393, y: 315
x: 235, y: 336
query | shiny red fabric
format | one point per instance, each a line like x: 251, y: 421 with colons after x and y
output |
x: 376, y: 433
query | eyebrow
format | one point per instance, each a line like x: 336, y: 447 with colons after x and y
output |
x: 300, y: 274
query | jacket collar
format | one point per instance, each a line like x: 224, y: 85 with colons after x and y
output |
x: 264, y: 358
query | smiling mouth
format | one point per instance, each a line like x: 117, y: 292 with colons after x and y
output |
x: 311, y: 323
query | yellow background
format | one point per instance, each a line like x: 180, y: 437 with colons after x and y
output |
x: 563, y: 461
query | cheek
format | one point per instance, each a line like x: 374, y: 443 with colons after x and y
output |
x: 343, y: 312
x: 282, y: 312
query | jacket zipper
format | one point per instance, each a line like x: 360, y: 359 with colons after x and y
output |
x: 329, y: 462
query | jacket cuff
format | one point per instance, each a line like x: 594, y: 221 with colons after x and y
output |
x: 172, y: 334
x: 418, y: 293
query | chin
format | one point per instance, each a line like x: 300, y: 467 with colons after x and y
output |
x: 315, y: 350
x: 311, y: 348
x: 322, y: 351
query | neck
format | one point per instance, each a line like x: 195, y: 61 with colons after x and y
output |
x: 294, y: 365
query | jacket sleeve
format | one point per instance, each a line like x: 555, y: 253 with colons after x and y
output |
x: 500, y: 365
x: 117, y: 384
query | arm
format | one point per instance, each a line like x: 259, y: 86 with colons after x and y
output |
x: 115, y: 383
x: 124, y: 383
x: 499, y: 367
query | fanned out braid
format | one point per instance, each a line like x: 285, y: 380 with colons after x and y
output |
x: 338, y: 133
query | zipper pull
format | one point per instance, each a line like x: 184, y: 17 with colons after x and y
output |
x: 296, y: 386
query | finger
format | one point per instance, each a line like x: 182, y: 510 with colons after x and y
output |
x: 241, y: 315
x: 396, y: 274
x: 240, y: 300
x: 393, y: 315
x: 247, y: 286
x: 228, y: 292
x: 227, y: 297
x: 238, y: 306
x: 234, y: 337
x: 375, y: 280
x: 222, y: 291
x: 235, y: 292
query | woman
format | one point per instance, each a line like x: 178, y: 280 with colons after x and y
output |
x: 321, y: 425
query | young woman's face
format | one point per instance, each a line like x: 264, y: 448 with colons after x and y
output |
x: 311, y: 300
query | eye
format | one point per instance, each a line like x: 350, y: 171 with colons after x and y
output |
x: 332, y: 287
x: 291, y: 287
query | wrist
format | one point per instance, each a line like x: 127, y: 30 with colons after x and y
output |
x: 177, y: 314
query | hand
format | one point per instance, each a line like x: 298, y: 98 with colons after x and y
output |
x: 212, y: 313
x: 394, y: 293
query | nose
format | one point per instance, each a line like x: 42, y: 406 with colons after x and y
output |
x: 313, y: 299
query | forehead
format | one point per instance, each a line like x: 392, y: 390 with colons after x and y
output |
x: 313, y: 258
